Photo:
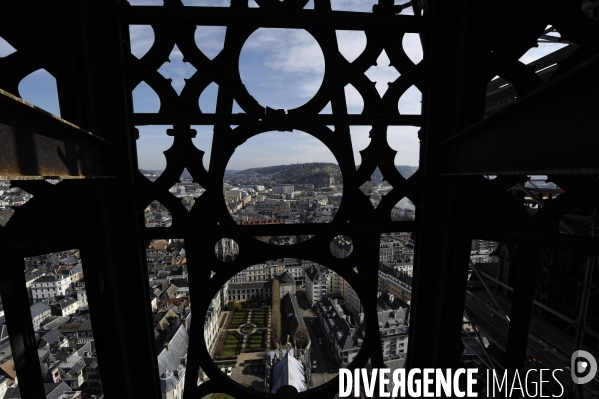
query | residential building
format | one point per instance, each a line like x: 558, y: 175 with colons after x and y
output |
x: 85, y: 332
x: 65, y: 306
x: 345, y: 338
x: 260, y: 289
x: 39, y: 312
x: 316, y: 284
x: 284, y: 189
x: 47, y: 287
x: 395, y: 282
x: 172, y: 362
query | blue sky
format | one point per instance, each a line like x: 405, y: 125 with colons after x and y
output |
x: 281, y: 69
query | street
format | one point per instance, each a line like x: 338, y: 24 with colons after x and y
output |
x: 322, y: 353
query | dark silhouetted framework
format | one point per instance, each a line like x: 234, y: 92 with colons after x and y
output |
x: 543, y: 122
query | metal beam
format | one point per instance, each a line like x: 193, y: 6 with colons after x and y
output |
x: 273, y: 18
x: 20, y: 327
x: 500, y: 145
x: 284, y: 121
x: 282, y: 229
x: 454, y: 100
x: 36, y: 145
x: 526, y: 263
x: 561, y: 242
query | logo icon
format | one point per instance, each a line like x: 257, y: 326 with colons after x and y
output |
x: 583, y: 367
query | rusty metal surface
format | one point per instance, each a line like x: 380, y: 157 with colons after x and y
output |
x: 38, y: 145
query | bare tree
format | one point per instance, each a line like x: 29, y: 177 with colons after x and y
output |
x: 301, y: 337
x: 276, y: 312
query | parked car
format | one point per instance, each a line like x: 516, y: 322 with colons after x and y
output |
x: 314, y: 365
x: 229, y: 371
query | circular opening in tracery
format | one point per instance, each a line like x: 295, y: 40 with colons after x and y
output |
x: 226, y: 250
x: 283, y: 178
x: 281, y: 68
x: 284, y: 307
x: 341, y: 246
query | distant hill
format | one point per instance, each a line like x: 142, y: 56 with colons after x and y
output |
x: 150, y: 172
x: 317, y: 173
x: 405, y: 170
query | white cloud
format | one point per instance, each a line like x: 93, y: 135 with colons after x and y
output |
x: 382, y: 73
x: 281, y: 68
x: 411, y: 102
x: 210, y: 39
x: 351, y: 43
x: 355, y: 102
x: 403, y: 139
x: 141, y: 38
x: 177, y: 70
x: 145, y: 99
x: 413, y: 47
x: 353, y: 5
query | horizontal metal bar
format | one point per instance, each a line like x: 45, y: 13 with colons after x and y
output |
x: 36, y: 145
x: 281, y: 230
x: 50, y: 177
x: 36, y: 244
x: 284, y: 121
x: 562, y: 242
x: 16, y: 107
x: 273, y: 18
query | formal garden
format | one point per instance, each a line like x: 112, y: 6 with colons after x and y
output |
x: 232, y: 345
x: 239, y: 317
x: 260, y: 317
x: 245, y: 330
x: 256, y: 340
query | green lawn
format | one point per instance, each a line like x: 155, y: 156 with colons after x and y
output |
x: 232, y: 345
x: 239, y: 317
x: 221, y: 396
x: 260, y: 317
x: 256, y: 340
